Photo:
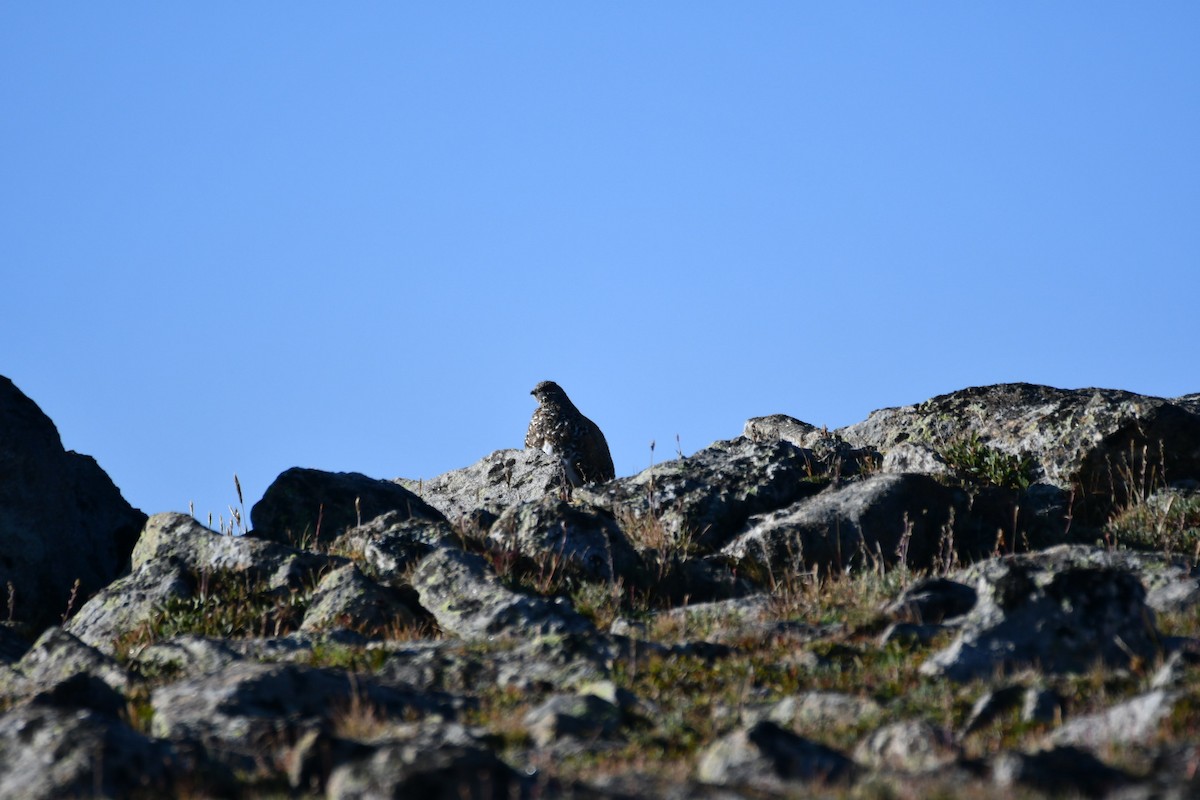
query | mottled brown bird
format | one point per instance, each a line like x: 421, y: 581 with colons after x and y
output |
x: 559, y: 429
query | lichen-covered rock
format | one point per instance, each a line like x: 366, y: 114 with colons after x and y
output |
x: 1061, y: 620
x: 126, y: 603
x: 1134, y: 721
x: 61, y: 518
x: 827, y: 453
x: 467, y: 599
x: 345, y: 598
x: 53, y: 752
x: 437, y: 772
x: 304, y: 507
x: 850, y: 525
x: 567, y: 539
x: 181, y: 541
x: 391, y: 543
x: 247, y: 714
x: 822, y: 710
x: 768, y: 758
x: 702, y: 500
x: 186, y: 656
x: 1171, y: 582
x: 56, y: 657
x: 497, y: 481
x: 907, y: 746
x: 572, y: 716
x: 1093, y: 440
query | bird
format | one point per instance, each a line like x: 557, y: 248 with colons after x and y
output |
x: 559, y: 429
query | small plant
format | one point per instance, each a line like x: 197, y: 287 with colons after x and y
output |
x: 981, y: 462
x: 225, y: 604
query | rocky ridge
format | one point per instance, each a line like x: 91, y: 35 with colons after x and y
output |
x: 994, y: 590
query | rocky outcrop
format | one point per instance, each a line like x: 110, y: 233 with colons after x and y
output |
x: 792, y: 612
x: 1054, y: 611
x: 65, y: 530
x: 1104, y: 444
x: 484, y: 489
x: 701, y: 501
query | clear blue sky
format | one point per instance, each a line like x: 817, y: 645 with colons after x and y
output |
x: 240, y: 237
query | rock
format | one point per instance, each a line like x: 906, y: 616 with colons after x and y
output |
x: 1061, y: 771
x: 496, y: 482
x: 1034, y: 611
x: 186, y: 656
x: 179, y: 540
x: 444, y: 772
x: 916, y: 458
x: 851, y: 524
x: 345, y: 598
x: 931, y: 600
x: 1134, y: 721
x: 1095, y: 439
x: 127, y: 603
x: 392, y: 542
x: 579, y: 717
x: 558, y: 538
x: 768, y: 758
x: 907, y: 746
x: 467, y: 599
x: 822, y: 710
x: 828, y: 454
x: 61, y: 518
x: 178, y: 558
x: 702, y: 500
x: 57, y: 657
x: 53, y: 752
x: 247, y: 714
x: 303, y: 507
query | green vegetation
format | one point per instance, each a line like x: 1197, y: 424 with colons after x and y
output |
x: 981, y: 462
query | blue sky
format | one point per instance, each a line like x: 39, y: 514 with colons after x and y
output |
x: 237, y: 238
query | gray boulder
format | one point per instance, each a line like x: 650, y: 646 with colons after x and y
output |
x: 768, y: 758
x: 61, y: 518
x: 1098, y: 441
x: 1037, y: 611
x: 502, y: 479
x: 850, y: 524
x: 247, y: 715
x: 1134, y: 721
x: 467, y: 598
x: 907, y: 746
x: 701, y: 501
x: 391, y: 543
x: 572, y: 717
x: 437, y: 771
x: 574, y: 540
x: 126, y: 603
x: 345, y: 598
x: 56, y: 658
x: 52, y: 752
x: 826, y: 453
x: 305, y: 507
x: 177, y: 557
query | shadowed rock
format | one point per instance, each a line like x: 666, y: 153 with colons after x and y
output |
x: 308, y: 506
x: 61, y: 517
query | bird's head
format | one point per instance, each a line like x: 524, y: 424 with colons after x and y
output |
x: 549, y: 390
